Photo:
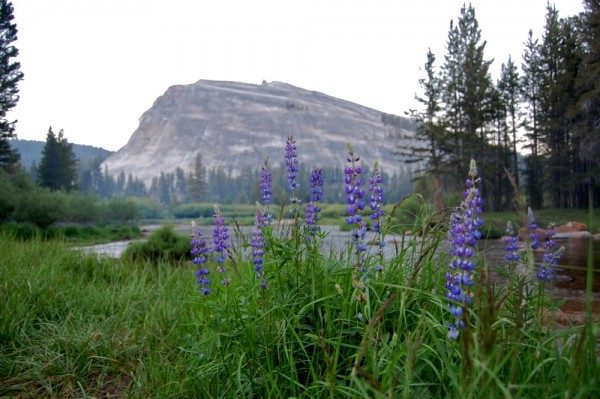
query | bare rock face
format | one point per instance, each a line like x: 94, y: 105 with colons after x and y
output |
x: 235, y: 125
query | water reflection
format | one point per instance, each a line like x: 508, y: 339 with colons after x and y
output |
x: 571, y: 275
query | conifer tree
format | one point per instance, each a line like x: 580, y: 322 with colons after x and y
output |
x: 428, y: 145
x: 58, y: 167
x: 467, y: 87
x: 196, y: 184
x: 10, y: 76
x: 509, y: 87
x: 531, y: 91
x: 587, y: 129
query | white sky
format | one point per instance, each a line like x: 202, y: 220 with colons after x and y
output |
x: 92, y: 67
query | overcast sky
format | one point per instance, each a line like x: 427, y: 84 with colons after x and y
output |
x: 92, y: 67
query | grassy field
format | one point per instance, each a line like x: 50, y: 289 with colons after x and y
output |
x: 74, y: 326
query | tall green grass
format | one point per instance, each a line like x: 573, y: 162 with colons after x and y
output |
x: 73, y: 325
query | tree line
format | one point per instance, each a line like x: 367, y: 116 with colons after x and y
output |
x: 534, y: 132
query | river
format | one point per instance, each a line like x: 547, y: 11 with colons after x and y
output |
x: 569, y: 285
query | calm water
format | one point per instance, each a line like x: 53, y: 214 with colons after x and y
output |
x: 570, y: 281
x: 571, y: 275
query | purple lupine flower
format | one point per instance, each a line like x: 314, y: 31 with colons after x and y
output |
x: 291, y: 163
x: 355, y: 200
x: 258, y: 244
x: 375, y: 203
x: 309, y: 215
x: 316, y: 184
x: 312, y: 208
x: 550, y: 258
x: 220, y: 244
x: 532, y: 225
x: 511, y: 243
x: 464, y: 234
x: 266, y: 190
x: 198, y: 251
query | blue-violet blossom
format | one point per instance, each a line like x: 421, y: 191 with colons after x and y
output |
x: 550, y: 258
x: 220, y: 244
x: 532, y: 226
x: 316, y: 193
x: 266, y: 190
x: 258, y: 244
x: 355, y: 200
x: 375, y: 203
x: 198, y: 251
x: 511, y: 243
x: 291, y: 165
x: 464, y: 234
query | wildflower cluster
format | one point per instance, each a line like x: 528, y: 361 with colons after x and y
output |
x: 266, y: 190
x: 511, y: 243
x: 291, y: 165
x: 198, y: 251
x: 375, y: 203
x: 464, y: 234
x: 550, y: 257
x: 258, y: 244
x: 316, y: 192
x: 355, y: 203
x: 532, y: 226
x: 220, y: 245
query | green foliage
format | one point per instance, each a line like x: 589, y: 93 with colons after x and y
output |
x: 165, y: 245
x: 10, y: 76
x: 43, y: 208
x: 76, y: 324
x: 122, y: 210
x: 58, y: 168
x: 147, y: 208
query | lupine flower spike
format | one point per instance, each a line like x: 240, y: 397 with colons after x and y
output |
x: 550, y: 258
x: 532, y: 226
x: 511, y: 243
x: 257, y: 243
x: 266, y: 190
x: 316, y: 192
x: 376, y: 215
x: 464, y: 234
x: 221, y: 246
x: 291, y: 165
x: 355, y: 200
x: 198, y: 251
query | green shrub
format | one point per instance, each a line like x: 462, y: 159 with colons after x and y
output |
x: 164, y: 245
x: 194, y: 211
x: 42, y: 207
x: 121, y: 210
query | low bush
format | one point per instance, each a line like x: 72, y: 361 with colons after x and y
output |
x: 165, y: 245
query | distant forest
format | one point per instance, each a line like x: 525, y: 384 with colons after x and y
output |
x: 197, y: 185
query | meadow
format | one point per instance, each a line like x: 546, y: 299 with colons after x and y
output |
x: 282, y: 317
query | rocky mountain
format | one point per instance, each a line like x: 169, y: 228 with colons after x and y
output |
x: 235, y: 125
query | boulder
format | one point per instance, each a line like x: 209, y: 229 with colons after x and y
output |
x: 571, y: 227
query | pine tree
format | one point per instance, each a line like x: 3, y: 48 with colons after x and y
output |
x: 559, y: 62
x: 467, y: 94
x: 429, y: 140
x: 509, y: 87
x: 10, y: 76
x: 196, y: 185
x: 531, y: 91
x: 587, y: 130
x: 58, y: 166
